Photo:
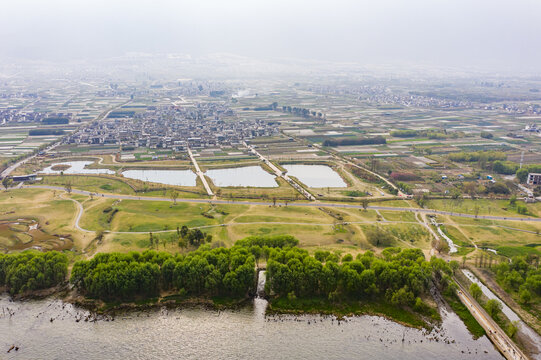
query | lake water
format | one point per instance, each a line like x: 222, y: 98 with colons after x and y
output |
x: 76, y: 167
x: 315, y: 176
x: 252, y: 176
x: 242, y: 334
x: 168, y: 177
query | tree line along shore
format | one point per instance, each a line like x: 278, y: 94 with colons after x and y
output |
x: 395, y: 284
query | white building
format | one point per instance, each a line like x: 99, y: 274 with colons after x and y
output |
x: 534, y: 179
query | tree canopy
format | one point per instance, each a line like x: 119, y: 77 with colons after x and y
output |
x: 32, y: 270
x: 399, y: 277
x: 204, y: 272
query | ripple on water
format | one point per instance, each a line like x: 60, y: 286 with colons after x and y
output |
x: 239, y: 334
x: 168, y: 177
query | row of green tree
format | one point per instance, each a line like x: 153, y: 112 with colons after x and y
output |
x: 400, y: 276
x: 511, y: 167
x: 204, y: 272
x: 355, y: 141
x: 121, y: 114
x: 291, y: 109
x: 493, y: 307
x: 472, y: 156
x: 55, y: 121
x: 302, y: 112
x: 521, y: 277
x: 429, y: 133
x: 40, y: 132
x: 505, y: 167
x: 32, y: 270
x: 496, y: 161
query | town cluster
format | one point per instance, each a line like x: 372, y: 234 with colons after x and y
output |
x: 174, y: 127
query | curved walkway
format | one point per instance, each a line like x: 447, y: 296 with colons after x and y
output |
x: 80, y: 212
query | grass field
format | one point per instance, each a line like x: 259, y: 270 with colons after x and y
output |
x: 494, y: 236
x: 119, y: 185
x: 98, y: 184
x: 398, y: 216
x: 505, y: 237
x: 55, y: 214
x: 483, y: 207
x: 335, y: 229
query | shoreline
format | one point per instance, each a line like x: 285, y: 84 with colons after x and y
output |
x: 342, y: 316
x: 355, y: 308
x: 99, y: 308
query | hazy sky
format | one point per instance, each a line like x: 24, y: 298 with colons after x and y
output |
x: 490, y: 34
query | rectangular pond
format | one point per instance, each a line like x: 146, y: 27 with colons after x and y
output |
x: 315, y: 176
x: 167, y: 177
x: 246, y: 176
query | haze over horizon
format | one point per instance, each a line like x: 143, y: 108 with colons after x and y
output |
x: 481, y: 35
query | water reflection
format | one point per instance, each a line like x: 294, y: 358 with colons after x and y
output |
x: 168, y: 177
x: 75, y: 167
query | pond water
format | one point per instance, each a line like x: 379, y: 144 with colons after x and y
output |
x: 168, y: 177
x: 523, y: 328
x: 252, y: 176
x: 76, y: 167
x: 315, y: 176
x: 48, y: 329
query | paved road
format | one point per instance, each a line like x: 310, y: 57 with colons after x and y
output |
x: 200, y: 174
x: 80, y: 212
x: 279, y: 173
x: 11, y: 168
x: 499, y: 338
x: 296, y: 204
x: 350, y: 162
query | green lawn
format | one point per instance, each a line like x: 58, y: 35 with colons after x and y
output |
x: 481, y: 207
x: 98, y: 184
x: 398, y: 216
